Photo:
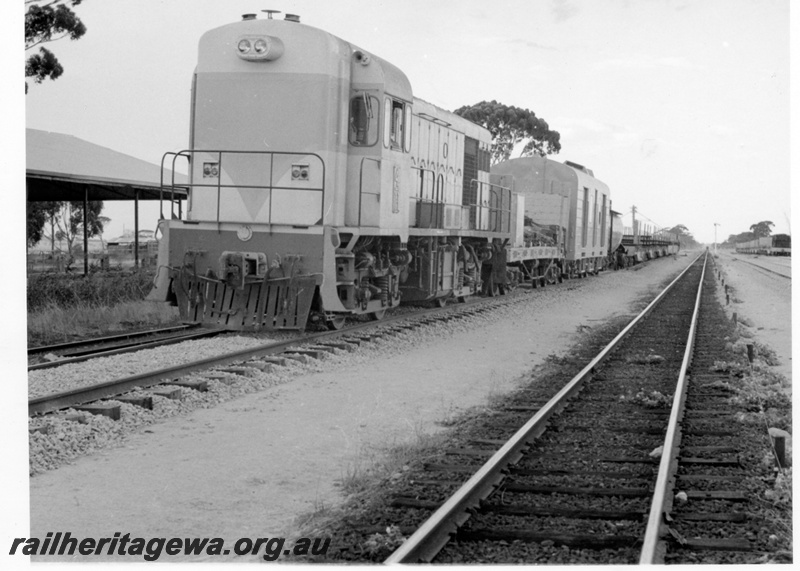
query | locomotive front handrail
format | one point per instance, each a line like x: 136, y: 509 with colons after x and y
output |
x: 172, y: 188
x: 189, y: 154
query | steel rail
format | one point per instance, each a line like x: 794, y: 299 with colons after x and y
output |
x: 82, y: 395
x: 107, y: 339
x: 128, y: 348
x: 435, y: 532
x: 760, y: 267
x: 653, y: 546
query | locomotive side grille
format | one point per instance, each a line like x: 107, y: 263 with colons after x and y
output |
x: 470, y: 191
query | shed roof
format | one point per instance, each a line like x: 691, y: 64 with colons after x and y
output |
x: 62, y: 167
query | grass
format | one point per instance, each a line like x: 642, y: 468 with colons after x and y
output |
x: 66, y: 307
x: 53, y: 324
x: 49, y: 289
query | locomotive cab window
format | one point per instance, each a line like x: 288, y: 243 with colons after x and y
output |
x: 363, y: 120
x: 396, y: 125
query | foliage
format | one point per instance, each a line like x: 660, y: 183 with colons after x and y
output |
x: 54, y: 324
x: 72, y: 220
x: 762, y: 229
x: 379, y: 546
x: 48, y: 21
x: 739, y: 238
x: 511, y: 126
x: 758, y: 230
x: 97, y: 289
x: 39, y: 213
x: 685, y: 237
x: 65, y: 220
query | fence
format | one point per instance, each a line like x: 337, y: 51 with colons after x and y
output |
x: 117, y: 257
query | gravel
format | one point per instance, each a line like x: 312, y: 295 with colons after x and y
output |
x: 94, y: 371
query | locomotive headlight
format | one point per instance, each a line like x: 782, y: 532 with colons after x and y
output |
x: 300, y: 172
x: 210, y: 170
x: 259, y: 48
x: 244, y: 46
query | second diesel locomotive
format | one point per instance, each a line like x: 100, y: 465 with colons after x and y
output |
x: 777, y: 245
x: 321, y: 187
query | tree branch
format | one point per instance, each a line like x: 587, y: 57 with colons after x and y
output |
x: 47, y: 41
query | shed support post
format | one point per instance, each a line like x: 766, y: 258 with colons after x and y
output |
x: 136, y: 228
x: 86, y: 231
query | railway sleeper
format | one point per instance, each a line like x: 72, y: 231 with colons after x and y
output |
x: 571, y: 540
x: 262, y: 366
x: 199, y: 385
x: 575, y: 491
x: 219, y: 376
x: 708, y: 544
x: 145, y: 402
x: 242, y: 371
x: 735, y: 517
x: 112, y: 411
x: 525, y: 510
x: 641, y: 475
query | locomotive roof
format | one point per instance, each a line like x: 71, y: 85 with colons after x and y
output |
x: 305, y: 40
x: 469, y: 128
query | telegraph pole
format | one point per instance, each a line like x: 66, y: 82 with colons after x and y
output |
x: 715, y: 238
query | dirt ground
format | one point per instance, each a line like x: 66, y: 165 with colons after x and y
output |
x: 255, y: 466
x: 764, y: 299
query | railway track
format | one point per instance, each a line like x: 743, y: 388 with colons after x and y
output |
x: 83, y: 350
x: 71, y: 347
x: 586, y: 478
x: 766, y: 270
x: 302, y: 347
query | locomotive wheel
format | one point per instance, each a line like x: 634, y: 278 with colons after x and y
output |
x: 461, y: 299
x: 377, y: 315
x: 335, y: 323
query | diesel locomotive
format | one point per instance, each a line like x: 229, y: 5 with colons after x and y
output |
x: 320, y: 187
x: 777, y: 245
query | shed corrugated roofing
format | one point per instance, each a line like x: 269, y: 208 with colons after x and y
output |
x: 63, y: 167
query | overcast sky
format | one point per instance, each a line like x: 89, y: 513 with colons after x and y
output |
x: 680, y: 106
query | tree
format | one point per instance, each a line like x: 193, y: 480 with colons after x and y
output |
x: 48, y: 21
x: 739, y: 238
x: 685, y: 237
x: 65, y: 221
x: 511, y: 126
x: 762, y: 229
x: 38, y: 214
x: 70, y: 221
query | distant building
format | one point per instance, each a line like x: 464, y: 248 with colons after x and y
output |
x: 125, y: 244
